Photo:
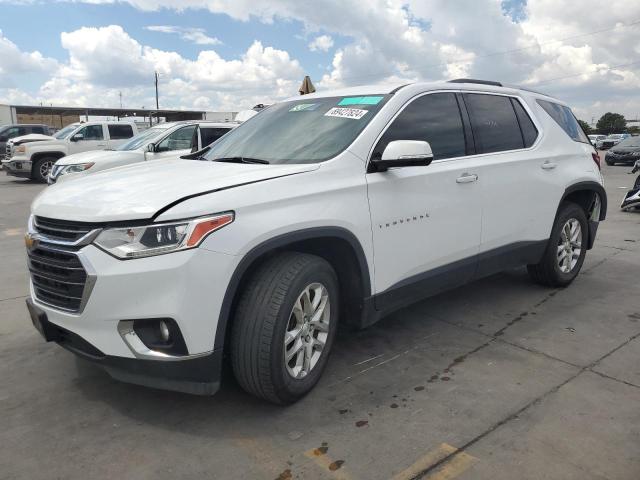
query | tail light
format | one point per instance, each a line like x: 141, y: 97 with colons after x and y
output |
x: 596, y: 158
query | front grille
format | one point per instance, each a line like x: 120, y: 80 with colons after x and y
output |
x: 62, y: 229
x: 58, y: 277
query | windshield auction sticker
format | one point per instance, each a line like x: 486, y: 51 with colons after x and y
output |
x: 353, y: 113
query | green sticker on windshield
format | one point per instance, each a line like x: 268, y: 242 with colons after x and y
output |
x: 360, y: 100
x: 303, y: 106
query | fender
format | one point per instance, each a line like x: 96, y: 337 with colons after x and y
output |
x: 279, y: 242
x: 593, y: 186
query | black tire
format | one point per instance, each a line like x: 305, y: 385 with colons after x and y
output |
x: 36, y: 170
x: 609, y: 163
x: 547, y: 272
x: 262, y: 317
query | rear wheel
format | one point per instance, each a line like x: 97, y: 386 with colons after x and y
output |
x: 566, y: 250
x: 41, y: 169
x: 284, y: 327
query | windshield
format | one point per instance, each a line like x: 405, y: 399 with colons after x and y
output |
x: 630, y: 142
x: 302, y: 131
x: 142, y: 138
x: 65, y: 132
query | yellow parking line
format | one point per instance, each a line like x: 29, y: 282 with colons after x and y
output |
x: 450, y: 469
x: 333, y: 467
x: 453, y: 467
x: 13, y: 232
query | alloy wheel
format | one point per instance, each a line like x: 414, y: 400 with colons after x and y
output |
x: 569, y: 245
x: 307, y: 330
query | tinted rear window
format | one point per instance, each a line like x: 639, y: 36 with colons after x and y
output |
x: 494, y: 123
x: 209, y: 135
x: 434, y: 118
x: 564, y: 117
x: 529, y: 130
x: 118, y: 132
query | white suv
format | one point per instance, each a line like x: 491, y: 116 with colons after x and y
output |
x: 332, y: 208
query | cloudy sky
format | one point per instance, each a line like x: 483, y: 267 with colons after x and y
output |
x: 232, y: 54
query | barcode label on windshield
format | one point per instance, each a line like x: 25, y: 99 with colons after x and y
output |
x: 353, y: 113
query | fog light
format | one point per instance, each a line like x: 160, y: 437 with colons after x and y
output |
x: 164, y: 331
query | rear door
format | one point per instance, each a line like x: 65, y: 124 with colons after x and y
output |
x: 516, y: 193
x: 425, y: 220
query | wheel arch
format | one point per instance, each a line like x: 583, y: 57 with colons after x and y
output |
x: 39, y: 155
x: 586, y: 195
x: 337, y: 245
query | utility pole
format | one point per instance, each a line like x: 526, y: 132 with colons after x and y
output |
x: 157, y: 103
x: 120, y: 95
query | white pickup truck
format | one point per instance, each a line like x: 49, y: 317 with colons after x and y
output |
x: 165, y: 140
x: 35, y: 159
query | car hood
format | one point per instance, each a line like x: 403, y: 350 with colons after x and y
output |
x: 97, y: 156
x: 140, y: 191
x: 32, y: 137
x: 625, y: 149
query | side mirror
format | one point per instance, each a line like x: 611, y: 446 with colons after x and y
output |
x: 404, y: 153
x: 151, y: 148
x: 77, y: 137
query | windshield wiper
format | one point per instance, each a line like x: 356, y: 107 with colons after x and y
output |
x: 242, y: 160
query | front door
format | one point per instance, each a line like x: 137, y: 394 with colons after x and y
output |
x: 93, y: 138
x: 179, y: 142
x: 425, y: 220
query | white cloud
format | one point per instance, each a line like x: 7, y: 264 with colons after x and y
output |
x: 105, y: 61
x: 14, y: 62
x: 190, y: 34
x: 322, y: 43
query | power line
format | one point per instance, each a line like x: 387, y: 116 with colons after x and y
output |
x: 507, y: 52
x: 551, y: 80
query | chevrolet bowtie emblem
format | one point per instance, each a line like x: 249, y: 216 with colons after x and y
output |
x: 30, y: 241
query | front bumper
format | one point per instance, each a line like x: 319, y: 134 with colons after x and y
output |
x: 199, y: 376
x: 186, y: 286
x: 17, y: 167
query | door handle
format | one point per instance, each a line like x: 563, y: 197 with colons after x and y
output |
x: 548, y: 165
x: 101, y: 145
x: 467, y: 178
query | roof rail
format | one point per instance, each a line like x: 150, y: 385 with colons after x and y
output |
x: 473, y: 80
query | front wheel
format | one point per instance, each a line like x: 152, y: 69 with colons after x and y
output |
x: 566, y: 250
x: 284, y: 327
x: 41, y: 169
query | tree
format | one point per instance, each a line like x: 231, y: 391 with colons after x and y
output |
x: 611, y: 123
x: 634, y: 130
x: 585, y: 126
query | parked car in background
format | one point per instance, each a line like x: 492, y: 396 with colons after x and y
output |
x: 596, y: 140
x: 35, y: 159
x: 9, y: 132
x: 161, y: 141
x: 626, y: 152
x: 612, y: 140
x: 255, y: 257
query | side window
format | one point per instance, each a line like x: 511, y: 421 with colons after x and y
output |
x: 529, y: 130
x: 92, y: 132
x: 434, y: 118
x: 494, y: 123
x: 563, y: 116
x: 179, y: 140
x: 12, y: 132
x: 37, y: 129
x: 209, y: 135
x: 119, y: 132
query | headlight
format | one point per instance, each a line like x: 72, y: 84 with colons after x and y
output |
x: 156, y: 239
x: 76, y: 168
x: 21, y: 148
